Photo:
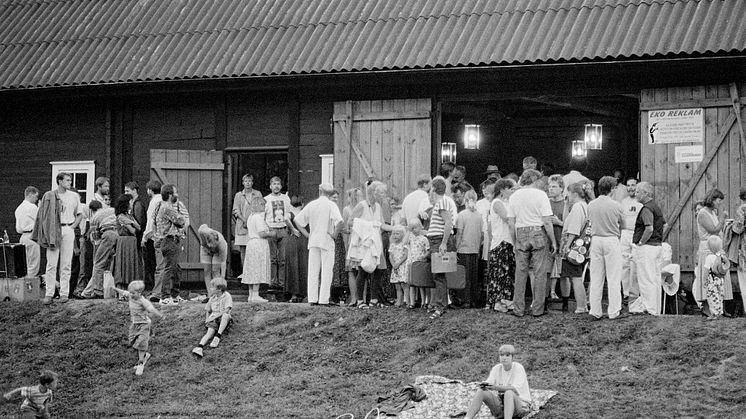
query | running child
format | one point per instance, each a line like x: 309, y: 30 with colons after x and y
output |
x: 141, y: 311
x: 218, y: 316
x: 36, y: 399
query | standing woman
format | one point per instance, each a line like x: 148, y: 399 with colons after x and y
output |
x: 126, y: 266
x: 353, y: 197
x: 370, y: 210
x: 710, y: 221
x: 242, y: 211
x: 501, y: 262
x: 579, y: 194
x: 296, y: 256
x: 213, y: 253
x: 739, y: 226
x: 339, y: 275
x: 441, y: 237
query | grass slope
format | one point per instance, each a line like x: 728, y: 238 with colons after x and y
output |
x: 286, y: 360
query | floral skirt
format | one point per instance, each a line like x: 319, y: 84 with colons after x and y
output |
x: 500, y: 274
x: 256, y: 264
x: 339, y: 278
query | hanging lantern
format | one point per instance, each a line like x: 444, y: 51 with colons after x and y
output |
x: 578, y: 149
x: 448, y: 152
x: 594, y: 136
x: 471, y: 137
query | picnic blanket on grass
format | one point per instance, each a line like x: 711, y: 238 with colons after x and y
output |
x: 446, y: 397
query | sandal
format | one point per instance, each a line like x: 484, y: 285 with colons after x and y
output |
x: 363, y: 306
x: 436, y: 314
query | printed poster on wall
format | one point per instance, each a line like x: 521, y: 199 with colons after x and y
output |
x: 669, y: 126
x: 689, y: 153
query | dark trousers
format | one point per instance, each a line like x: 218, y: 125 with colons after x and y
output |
x: 439, y: 298
x: 277, y: 255
x: 375, y: 287
x: 471, y: 294
x: 168, y: 280
x: 150, y: 264
x: 86, y: 264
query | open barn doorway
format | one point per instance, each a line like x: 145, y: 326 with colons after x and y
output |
x: 544, y: 127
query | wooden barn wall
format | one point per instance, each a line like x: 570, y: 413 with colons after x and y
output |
x: 257, y: 122
x: 549, y: 140
x: 315, y: 138
x: 182, y: 124
x: 31, y: 137
x: 671, y: 179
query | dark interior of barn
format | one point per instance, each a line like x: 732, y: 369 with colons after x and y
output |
x: 544, y: 127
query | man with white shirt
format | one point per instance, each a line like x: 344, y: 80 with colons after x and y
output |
x: 25, y: 220
x: 102, y: 191
x: 630, y: 209
x: 70, y: 213
x: 530, y: 218
x: 277, y: 216
x: 154, y: 192
x: 325, y: 222
x: 411, y: 204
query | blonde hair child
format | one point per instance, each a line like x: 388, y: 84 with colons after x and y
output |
x: 419, y: 249
x: 398, y: 252
x: 218, y: 315
x: 257, y: 264
x: 141, y: 311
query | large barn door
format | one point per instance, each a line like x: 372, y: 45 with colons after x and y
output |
x: 679, y: 184
x: 389, y: 140
x: 198, y: 176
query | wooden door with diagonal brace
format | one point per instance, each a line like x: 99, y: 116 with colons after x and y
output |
x: 389, y: 140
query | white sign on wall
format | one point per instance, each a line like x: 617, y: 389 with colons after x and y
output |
x: 676, y: 126
x: 688, y: 153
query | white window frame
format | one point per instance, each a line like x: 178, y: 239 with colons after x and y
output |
x: 82, y: 166
x: 327, y: 168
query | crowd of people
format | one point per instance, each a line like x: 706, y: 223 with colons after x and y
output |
x: 542, y: 228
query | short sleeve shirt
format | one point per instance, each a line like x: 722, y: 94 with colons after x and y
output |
x: 528, y: 206
x: 605, y: 214
x: 139, y: 310
x: 630, y: 209
x: 323, y: 216
x: 516, y: 377
x: 411, y: 204
x: 469, y: 223
x: 219, y: 304
x: 437, y: 223
x: 276, y: 210
x: 70, y: 206
x: 576, y: 219
x: 36, y: 397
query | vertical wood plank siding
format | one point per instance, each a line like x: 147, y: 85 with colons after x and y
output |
x: 671, y: 179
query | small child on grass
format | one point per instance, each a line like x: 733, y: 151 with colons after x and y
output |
x: 398, y: 250
x: 218, y: 316
x: 140, y: 311
x: 505, y: 391
x: 36, y: 399
x: 418, y: 251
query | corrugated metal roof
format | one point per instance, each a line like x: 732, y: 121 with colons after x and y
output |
x: 47, y: 43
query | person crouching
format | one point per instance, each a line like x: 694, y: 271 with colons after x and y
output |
x: 218, y: 316
x: 505, y: 390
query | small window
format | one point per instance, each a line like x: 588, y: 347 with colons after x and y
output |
x: 83, y: 173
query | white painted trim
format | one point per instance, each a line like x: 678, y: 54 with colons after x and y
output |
x: 80, y: 166
x: 327, y: 168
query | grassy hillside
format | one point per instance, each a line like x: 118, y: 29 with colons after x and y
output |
x: 289, y: 360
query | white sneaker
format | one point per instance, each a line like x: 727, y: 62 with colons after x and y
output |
x: 215, y: 342
x: 168, y: 302
x: 258, y: 299
x: 178, y: 299
x: 198, y: 351
x: 139, y: 369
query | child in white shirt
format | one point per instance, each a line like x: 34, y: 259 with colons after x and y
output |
x: 716, y: 266
x: 218, y: 316
x: 36, y: 399
x: 505, y: 390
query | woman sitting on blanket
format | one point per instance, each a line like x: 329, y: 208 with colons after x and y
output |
x: 505, y: 389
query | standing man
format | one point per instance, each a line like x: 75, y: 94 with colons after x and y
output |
x: 530, y: 220
x: 171, y: 222
x: 326, y: 222
x: 492, y: 173
x: 630, y: 209
x: 411, y: 204
x: 646, y: 252
x: 104, y: 234
x: 25, y: 220
x: 607, y: 223
x: 529, y: 163
x: 102, y: 192
x: 277, y: 216
x: 60, y: 212
x: 154, y: 192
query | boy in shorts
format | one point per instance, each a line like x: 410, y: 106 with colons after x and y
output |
x: 218, y: 316
x: 505, y: 391
x: 140, y: 312
x: 36, y: 399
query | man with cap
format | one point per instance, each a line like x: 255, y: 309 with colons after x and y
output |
x: 326, y: 222
x: 492, y: 173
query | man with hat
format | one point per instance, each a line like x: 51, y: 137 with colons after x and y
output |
x: 492, y: 173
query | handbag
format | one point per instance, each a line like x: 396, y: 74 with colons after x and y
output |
x: 580, y: 247
x: 456, y: 280
x: 443, y: 262
x: 420, y: 276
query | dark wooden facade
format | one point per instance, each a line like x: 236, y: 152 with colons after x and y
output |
x: 118, y: 126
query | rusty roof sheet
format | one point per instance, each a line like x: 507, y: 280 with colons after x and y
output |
x: 46, y: 43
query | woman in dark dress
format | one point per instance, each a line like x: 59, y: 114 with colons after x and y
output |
x: 126, y: 266
x: 296, y: 258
